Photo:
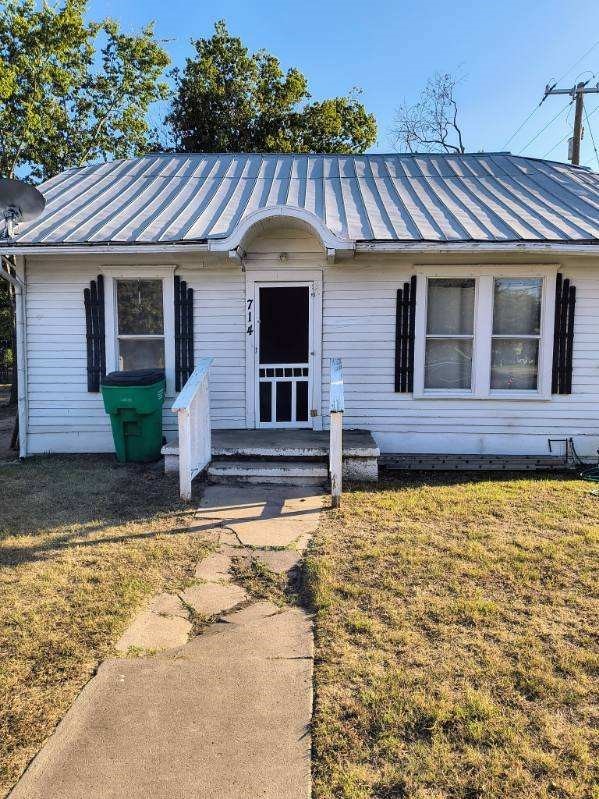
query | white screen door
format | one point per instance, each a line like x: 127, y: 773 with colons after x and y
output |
x: 285, y: 358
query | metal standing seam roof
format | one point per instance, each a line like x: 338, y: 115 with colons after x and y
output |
x: 195, y: 197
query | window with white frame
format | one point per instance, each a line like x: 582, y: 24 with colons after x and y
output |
x: 516, y: 333
x: 485, y: 334
x: 449, y: 334
x: 140, y: 323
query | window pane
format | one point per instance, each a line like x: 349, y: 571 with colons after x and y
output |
x: 141, y: 354
x: 283, y: 401
x: 448, y: 363
x: 450, y: 306
x: 266, y: 402
x: 514, y: 363
x: 517, y: 306
x: 139, y: 304
x: 301, y: 401
x: 284, y: 324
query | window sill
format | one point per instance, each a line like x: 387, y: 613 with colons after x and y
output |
x: 510, y: 397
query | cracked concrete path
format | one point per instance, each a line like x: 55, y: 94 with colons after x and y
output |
x: 224, y: 713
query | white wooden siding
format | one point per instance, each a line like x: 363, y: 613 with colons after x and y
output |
x: 358, y: 326
x: 63, y: 415
x: 219, y: 333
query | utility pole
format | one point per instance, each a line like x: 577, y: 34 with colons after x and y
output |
x: 577, y: 93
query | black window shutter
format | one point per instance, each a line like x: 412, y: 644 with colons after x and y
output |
x: 183, y: 332
x: 563, y: 336
x: 93, y: 299
x: 405, y: 317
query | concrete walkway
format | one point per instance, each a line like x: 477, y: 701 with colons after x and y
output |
x: 222, y: 706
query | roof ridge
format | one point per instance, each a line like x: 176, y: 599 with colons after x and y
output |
x: 328, y: 155
x: 368, y: 156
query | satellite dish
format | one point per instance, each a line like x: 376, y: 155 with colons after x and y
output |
x: 19, y: 202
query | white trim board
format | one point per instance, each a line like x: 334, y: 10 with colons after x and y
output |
x: 445, y: 248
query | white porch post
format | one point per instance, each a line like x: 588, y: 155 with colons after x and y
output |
x: 336, y: 431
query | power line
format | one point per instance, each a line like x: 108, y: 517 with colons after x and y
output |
x: 576, y: 63
x: 556, y: 145
x: 577, y: 93
x: 544, y: 128
x: 513, y: 136
x: 587, y: 115
x: 536, y: 108
x: 563, y: 139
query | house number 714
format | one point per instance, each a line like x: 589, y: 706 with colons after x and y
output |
x: 250, y: 328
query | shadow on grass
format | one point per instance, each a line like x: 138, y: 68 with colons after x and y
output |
x: 398, y: 479
x: 72, y: 499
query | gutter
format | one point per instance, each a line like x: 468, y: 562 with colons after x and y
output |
x: 590, y: 247
x: 19, y: 287
x: 102, y: 249
x: 423, y: 247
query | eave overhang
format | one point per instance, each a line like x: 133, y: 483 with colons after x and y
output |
x: 360, y: 247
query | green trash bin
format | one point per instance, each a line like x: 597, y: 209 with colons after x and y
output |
x: 134, y: 402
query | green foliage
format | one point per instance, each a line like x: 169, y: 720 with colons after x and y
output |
x: 5, y: 311
x: 229, y: 99
x: 71, y: 90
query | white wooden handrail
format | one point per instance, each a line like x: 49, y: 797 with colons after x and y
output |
x: 337, y: 407
x: 192, y: 407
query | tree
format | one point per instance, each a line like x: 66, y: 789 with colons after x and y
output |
x: 7, y: 336
x: 228, y: 99
x: 431, y: 124
x: 70, y: 90
x: 5, y: 311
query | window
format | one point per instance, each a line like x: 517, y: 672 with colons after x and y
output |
x: 449, y: 334
x: 140, y: 324
x: 484, y: 332
x: 516, y: 333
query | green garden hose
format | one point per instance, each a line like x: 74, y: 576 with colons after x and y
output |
x: 592, y: 475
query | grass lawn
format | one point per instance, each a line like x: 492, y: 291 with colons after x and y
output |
x: 455, y: 651
x: 82, y: 542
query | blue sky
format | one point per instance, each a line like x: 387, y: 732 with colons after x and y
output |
x: 507, y: 51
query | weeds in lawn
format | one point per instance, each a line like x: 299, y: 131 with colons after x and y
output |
x: 262, y: 583
x: 455, y: 640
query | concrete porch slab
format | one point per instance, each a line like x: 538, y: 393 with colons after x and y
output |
x: 290, y: 443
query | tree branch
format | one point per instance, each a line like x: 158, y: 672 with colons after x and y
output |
x: 432, y: 121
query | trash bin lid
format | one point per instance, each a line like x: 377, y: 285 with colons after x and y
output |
x: 134, y: 377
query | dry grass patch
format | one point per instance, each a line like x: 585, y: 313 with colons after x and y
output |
x: 455, y: 651
x: 83, y: 541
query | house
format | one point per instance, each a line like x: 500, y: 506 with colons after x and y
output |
x: 461, y: 293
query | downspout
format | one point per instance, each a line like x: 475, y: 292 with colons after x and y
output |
x: 19, y: 286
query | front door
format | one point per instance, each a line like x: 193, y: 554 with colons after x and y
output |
x: 285, y: 363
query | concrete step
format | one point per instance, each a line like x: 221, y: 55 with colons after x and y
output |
x: 289, y: 472
x: 311, y: 447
